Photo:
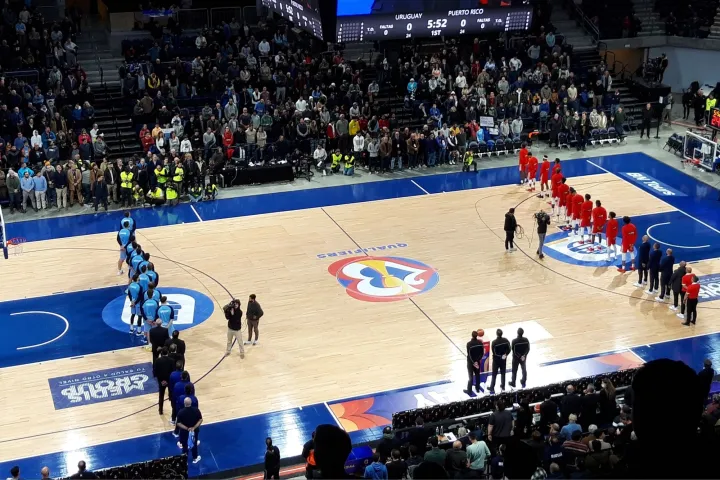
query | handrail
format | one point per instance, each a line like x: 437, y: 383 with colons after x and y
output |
x: 589, y: 27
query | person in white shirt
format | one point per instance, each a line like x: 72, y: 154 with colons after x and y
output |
x: 264, y: 48
x: 94, y: 131
x: 358, y: 145
x: 460, y: 81
x: 200, y: 41
x: 185, y: 145
x: 319, y: 155
x: 36, y: 139
x: 515, y: 64
x: 301, y: 105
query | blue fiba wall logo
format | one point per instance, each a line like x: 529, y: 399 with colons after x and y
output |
x: 191, y: 309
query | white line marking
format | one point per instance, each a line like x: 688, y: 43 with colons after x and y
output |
x: 333, y: 415
x: 421, y: 188
x: 666, y: 243
x: 673, y: 206
x: 638, y: 356
x: 196, y: 213
x: 67, y: 326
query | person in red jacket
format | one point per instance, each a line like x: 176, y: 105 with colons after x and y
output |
x: 147, y: 141
x: 544, y: 175
x: 611, y: 233
x: 563, y: 191
x: 577, y: 202
x: 599, y: 217
x: 692, y: 292
x: 532, y: 171
x: 586, y: 219
x: 685, y: 281
x: 556, y: 180
x: 629, y: 237
x: 523, y: 164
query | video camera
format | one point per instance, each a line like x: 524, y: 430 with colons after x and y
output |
x: 539, y: 215
x: 232, y: 304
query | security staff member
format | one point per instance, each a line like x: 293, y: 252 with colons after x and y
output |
x: 161, y: 173
x: 469, y: 161
x: 520, y: 348
x: 210, y: 191
x: 178, y: 175
x: 500, y: 348
x: 349, y: 165
x: 126, y: 183
x: 171, y: 194
x: 475, y: 350
x: 335, y: 165
x: 162, y: 368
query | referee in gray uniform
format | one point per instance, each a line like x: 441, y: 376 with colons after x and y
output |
x: 499, y: 349
x: 520, y: 348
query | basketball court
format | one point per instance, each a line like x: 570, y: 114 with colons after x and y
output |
x: 360, y: 298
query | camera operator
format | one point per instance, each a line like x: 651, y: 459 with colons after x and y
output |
x: 234, y: 318
x: 543, y: 220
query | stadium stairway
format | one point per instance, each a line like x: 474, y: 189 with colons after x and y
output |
x: 569, y: 28
x: 652, y: 24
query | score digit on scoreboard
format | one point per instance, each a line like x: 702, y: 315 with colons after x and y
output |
x: 715, y: 118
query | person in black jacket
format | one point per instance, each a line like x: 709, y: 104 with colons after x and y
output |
x: 647, y: 116
x: 83, y: 472
x: 475, y: 351
x: 548, y: 413
x: 643, y: 260
x: 705, y: 379
x: 233, y: 314
x: 520, y: 348
x: 510, y: 227
x: 158, y: 336
x: 100, y: 193
x: 588, y: 408
x: 666, y: 271
x: 179, y: 344
x: 499, y: 349
x: 308, y: 453
x: 253, y: 314
x: 676, y: 285
x: 654, y: 268
x: 162, y: 368
x: 570, y: 404
x: 272, y: 460
x: 543, y: 220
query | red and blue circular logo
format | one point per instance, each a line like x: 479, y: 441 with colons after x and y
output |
x: 383, y: 279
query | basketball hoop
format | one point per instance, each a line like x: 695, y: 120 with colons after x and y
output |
x: 15, y: 246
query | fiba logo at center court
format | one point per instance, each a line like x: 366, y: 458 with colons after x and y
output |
x: 191, y: 308
x: 571, y: 250
x: 383, y: 279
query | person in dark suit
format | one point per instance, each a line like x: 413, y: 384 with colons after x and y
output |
x: 666, y: 271
x: 705, y: 379
x: 520, y: 348
x: 475, y: 351
x: 588, y: 408
x: 158, y: 336
x: 654, y: 267
x: 676, y: 285
x: 570, y: 404
x: 100, y: 193
x: 643, y: 261
x: 83, y: 472
x: 548, y: 413
x: 179, y: 344
x: 387, y: 444
x: 499, y: 349
x: 647, y: 116
x: 162, y: 369
x: 418, y: 436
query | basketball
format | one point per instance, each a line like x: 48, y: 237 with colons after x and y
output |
x: 480, y: 332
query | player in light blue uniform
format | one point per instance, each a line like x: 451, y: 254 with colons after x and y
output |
x: 135, y: 258
x: 134, y: 293
x: 144, y: 281
x: 152, y: 274
x: 167, y: 315
x: 142, y: 266
x: 151, y: 303
x: 131, y: 223
x: 124, y: 237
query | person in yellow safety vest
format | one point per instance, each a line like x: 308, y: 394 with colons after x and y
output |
x: 469, y: 161
x: 171, y: 194
x: 178, y: 175
x: 349, y: 165
x: 138, y: 195
x: 126, y: 184
x: 161, y: 173
x: 211, y: 192
x: 336, y: 157
x: 156, y: 197
x: 196, y: 193
x: 709, y: 104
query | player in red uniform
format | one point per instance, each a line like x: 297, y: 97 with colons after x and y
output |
x: 562, y: 192
x: 523, y: 164
x: 577, y: 202
x: 629, y: 237
x: 586, y: 209
x: 556, y: 180
x: 532, y: 172
x: 556, y: 167
x: 544, y: 175
x: 611, y: 233
x: 599, y: 217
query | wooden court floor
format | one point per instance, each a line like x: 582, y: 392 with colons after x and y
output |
x: 318, y: 343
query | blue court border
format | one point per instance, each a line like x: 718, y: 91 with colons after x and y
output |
x: 232, y: 443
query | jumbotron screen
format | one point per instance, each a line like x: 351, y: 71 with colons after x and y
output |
x: 715, y: 118
x: 303, y: 14
x: 371, y: 20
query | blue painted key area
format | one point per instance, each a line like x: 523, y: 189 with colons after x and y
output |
x: 693, y: 230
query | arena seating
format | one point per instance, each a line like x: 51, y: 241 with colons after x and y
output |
x: 175, y: 468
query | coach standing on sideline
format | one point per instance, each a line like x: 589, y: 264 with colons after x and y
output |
x: 500, y: 348
x: 179, y: 344
x: 163, y: 368
x: 475, y: 350
x: 520, y: 348
x: 666, y: 271
x: 158, y: 336
x: 677, y: 286
x: 510, y: 227
x: 189, y: 420
x: 234, y: 318
x: 543, y: 220
x: 253, y: 314
x: 643, y: 261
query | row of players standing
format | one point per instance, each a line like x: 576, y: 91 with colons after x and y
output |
x: 152, y: 319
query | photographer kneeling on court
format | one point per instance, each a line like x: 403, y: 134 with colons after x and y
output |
x: 543, y: 220
x: 234, y: 318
